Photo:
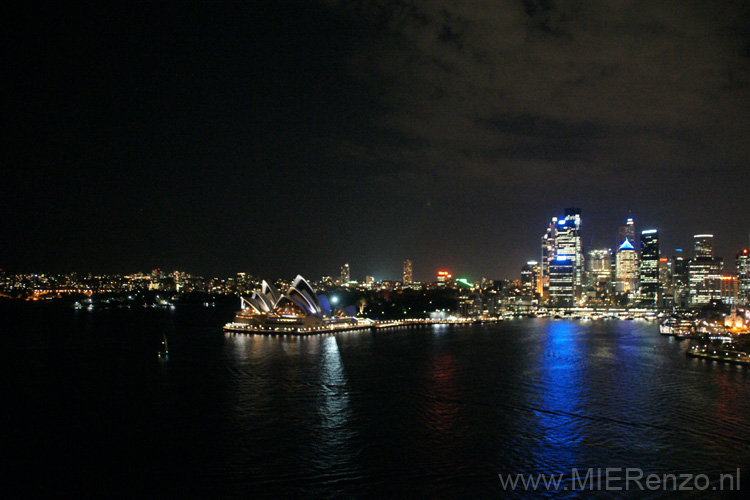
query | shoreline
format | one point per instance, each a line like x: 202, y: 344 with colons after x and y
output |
x: 721, y: 359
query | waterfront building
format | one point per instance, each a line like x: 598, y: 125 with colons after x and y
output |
x: 345, y: 276
x: 704, y: 272
x: 565, y: 261
x: 742, y: 271
x: 408, y: 276
x: 297, y: 310
x: 649, y: 267
x: 626, y: 268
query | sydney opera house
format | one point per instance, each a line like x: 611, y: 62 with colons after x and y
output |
x: 298, y: 310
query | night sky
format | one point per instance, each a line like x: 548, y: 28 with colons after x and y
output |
x: 279, y: 138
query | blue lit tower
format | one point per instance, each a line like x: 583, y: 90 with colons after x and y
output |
x: 565, y: 259
x: 649, y: 267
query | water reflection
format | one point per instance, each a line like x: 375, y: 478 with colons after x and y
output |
x: 333, y: 395
x: 560, y: 394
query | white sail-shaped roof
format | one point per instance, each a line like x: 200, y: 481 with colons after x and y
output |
x: 269, y: 290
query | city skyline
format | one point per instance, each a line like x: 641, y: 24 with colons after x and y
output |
x: 286, y: 136
x: 343, y: 274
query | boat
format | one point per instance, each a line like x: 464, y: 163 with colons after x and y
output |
x: 163, y: 351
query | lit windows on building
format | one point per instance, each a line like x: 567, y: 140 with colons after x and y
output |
x: 626, y: 232
x: 704, y: 271
x: 704, y: 245
x: 598, y: 267
x: 729, y: 290
x: 408, y: 276
x: 742, y: 271
x: 530, y: 278
x: 562, y: 259
x: 649, y: 267
x: 705, y: 280
x: 345, y: 276
x: 444, y: 279
x: 626, y: 268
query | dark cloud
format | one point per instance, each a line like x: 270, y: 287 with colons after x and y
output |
x: 625, y: 97
x: 450, y: 130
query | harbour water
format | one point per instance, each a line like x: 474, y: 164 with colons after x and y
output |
x: 430, y: 412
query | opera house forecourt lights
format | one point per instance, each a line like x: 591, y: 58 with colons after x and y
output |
x: 298, y: 311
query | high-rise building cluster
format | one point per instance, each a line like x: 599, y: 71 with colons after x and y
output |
x: 634, y: 273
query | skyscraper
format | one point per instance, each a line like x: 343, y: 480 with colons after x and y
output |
x: 598, y: 267
x: 704, y: 271
x: 649, y: 267
x: 742, y: 268
x: 345, y: 275
x: 704, y: 245
x: 563, y: 251
x: 626, y: 268
x: 679, y: 269
x: 548, y: 255
x: 626, y: 232
x: 408, y: 278
x: 530, y: 278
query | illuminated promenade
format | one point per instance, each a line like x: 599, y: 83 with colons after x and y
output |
x: 361, y: 324
x: 720, y: 355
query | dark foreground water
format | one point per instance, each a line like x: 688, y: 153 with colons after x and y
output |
x: 431, y: 412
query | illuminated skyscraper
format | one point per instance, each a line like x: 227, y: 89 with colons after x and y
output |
x: 408, y: 278
x: 704, y: 271
x: 598, y: 267
x: 704, y: 245
x: 626, y: 232
x: 679, y: 269
x: 548, y: 255
x: 530, y: 274
x: 649, y: 267
x: 742, y: 268
x: 665, y: 275
x: 626, y: 268
x: 345, y: 275
x: 565, y: 259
